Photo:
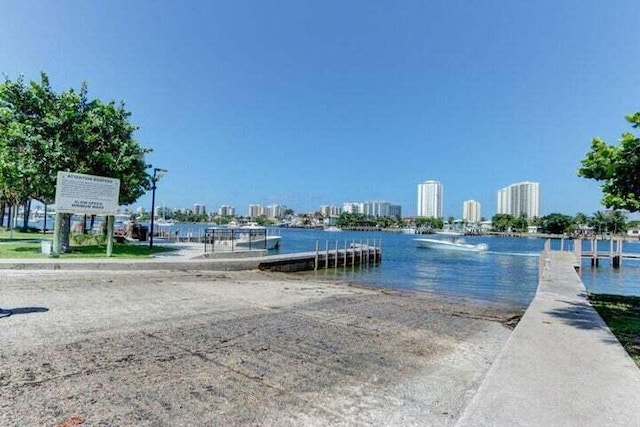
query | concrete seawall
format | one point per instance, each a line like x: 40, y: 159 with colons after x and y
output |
x: 192, y: 258
x: 561, y: 366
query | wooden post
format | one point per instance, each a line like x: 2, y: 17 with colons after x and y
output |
x: 615, y: 261
x: 374, y: 251
x: 326, y: 254
x: 353, y: 254
x: 611, y: 248
x: 366, y: 254
x: 345, y: 253
x: 110, y: 224
x: 315, y: 267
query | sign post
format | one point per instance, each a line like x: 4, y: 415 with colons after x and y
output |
x: 86, y: 194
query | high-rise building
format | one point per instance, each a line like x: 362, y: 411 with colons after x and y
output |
x: 275, y: 211
x: 521, y: 198
x: 471, y: 211
x: 352, y: 207
x: 255, y: 211
x: 380, y: 209
x: 329, y: 211
x: 430, y: 199
x: 225, y: 210
x: 199, y: 209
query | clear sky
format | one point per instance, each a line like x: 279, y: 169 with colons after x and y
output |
x: 308, y: 103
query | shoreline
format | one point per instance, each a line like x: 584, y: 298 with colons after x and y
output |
x: 238, y: 348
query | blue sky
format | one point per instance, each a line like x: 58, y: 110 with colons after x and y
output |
x: 309, y: 103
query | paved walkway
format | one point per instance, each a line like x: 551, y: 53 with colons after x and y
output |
x: 188, y: 256
x: 561, y: 366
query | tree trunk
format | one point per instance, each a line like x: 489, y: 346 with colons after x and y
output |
x: 65, y: 232
x: 27, y: 212
x: 3, y: 208
x: 10, y: 209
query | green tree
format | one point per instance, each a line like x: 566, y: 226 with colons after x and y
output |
x: 581, y: 219
x: 556, y: 223
x: 42, y: 132
x: 430, y: 223
x: 618, y: 167
x: 521, y: 224
x: 616, y: 222
x: 502, y: 222
x: 599, y: 222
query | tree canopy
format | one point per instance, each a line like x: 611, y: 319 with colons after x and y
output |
x: 43, y: 132
x: 618, y: 167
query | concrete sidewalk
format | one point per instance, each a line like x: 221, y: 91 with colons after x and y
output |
x: 187, y: 256
x: 562, y: 366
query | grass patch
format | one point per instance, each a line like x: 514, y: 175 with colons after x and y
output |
x: 622, y: 315
x: 26, y: 249
x: 32, y: 234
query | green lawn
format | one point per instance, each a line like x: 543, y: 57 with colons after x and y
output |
x: 622, y: 315
x: 27, y: 245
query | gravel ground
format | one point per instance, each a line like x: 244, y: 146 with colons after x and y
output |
x: 206, y: 348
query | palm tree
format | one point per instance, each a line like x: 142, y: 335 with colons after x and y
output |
x: 599, y: 222
x: 617, y: 221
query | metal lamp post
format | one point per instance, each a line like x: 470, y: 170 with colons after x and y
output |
x: 157, y: 174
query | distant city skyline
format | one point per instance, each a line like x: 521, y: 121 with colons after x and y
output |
x: 307, y: 104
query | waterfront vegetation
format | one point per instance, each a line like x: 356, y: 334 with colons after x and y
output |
x: 622, y: 315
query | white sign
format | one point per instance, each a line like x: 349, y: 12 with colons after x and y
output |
x: 87, y: 194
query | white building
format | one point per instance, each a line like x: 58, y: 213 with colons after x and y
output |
x: 255, y: 211
x: 381, y: 209
x: 352, y: 208
x: 199, y: 209
x: 329, y: 211
x: 521, y: 198
x: 275, y: 211
x: 430, y: 199
x: 225, y: 210
x: 471, y: 211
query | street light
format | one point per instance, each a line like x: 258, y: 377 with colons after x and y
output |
x: 157, y: 174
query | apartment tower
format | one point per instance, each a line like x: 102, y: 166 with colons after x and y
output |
x: 521, y: 198
x: 471, y: 211
x: 430, y: 199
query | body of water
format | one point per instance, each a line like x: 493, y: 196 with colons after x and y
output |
x: 507, y: 273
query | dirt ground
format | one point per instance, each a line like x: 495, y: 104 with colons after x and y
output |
x: 246, y: 349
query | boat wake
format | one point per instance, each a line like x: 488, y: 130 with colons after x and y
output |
x: 522, y: 254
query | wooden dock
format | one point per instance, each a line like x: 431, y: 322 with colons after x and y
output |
x: 614, y: 254
x: 328, y: 255
x: 359, y: 256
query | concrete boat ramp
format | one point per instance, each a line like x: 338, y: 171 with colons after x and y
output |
x: 561, y: 366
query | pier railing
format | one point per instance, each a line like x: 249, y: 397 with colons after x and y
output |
x: 614, y: 253
x: 338, y: 254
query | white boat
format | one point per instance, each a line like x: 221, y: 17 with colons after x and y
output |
x: 333, y: 228
x: 409, y: 230
x: 452, y: 241
x: 249, y: 236
x: 257, y: 242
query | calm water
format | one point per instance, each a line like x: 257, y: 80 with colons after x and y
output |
x: 507, y: 273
